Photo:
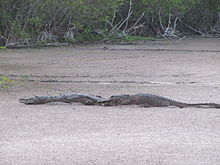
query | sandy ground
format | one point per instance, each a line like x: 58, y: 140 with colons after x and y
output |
x: 186, y: 70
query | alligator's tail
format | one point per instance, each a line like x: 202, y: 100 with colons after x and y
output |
x: 204, y: 105
x: 199, y: 105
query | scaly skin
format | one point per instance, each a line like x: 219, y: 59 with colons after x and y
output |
x: 150, y: 100
x: 143, y: 100
x: 67, y: 98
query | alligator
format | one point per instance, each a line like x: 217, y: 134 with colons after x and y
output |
x: 150, y: 100
x: 143, y: 100
x: 85, y: 99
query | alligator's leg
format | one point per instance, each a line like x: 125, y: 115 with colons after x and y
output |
x: 115, y: 102
x: 165, y: 104
x: 162, y: 104
x: 145, y: 105
x: 108, y: 103
x: 125, y: 102
x: 87, y: 101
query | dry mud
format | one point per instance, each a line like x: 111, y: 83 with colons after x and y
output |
x: 186, y: 70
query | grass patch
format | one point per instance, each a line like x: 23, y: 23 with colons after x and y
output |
x: 5, y: 82
x: 2, y: 47
x: 138, y: 38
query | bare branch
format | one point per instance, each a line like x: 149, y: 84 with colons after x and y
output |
x: 124, y: 21
x: 3, y: 37
x: 197, y: 31
x: 161, y: 24
x: 109, y: 23
x: 113, y: 18
x: 181, y: 38
x: 129, y: 12
x: 134, y: 26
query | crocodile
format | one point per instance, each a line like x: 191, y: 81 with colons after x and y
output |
x: 150, y: 100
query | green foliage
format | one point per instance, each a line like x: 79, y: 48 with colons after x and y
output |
x: 34, y: 25
x: 138, y: 38
x: 18, y: 31
x: 2, y: 47
x: 94, y: 19
x: 5, y: 82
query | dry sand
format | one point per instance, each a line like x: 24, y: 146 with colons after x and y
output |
x: 74, y: 134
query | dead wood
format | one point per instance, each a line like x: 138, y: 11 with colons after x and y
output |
x: 23, y: 46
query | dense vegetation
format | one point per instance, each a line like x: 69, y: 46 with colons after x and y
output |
x: 31, y: 21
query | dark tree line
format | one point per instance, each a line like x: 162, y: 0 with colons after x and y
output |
x: 31, y: 21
